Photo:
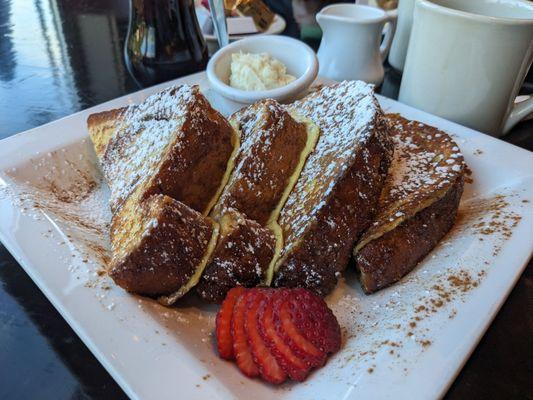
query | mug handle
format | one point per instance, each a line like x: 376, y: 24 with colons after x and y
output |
x: 391, y: 18
x: 518, y: 113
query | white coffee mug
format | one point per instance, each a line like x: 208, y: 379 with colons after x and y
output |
x: 351, y: 46
x: 400, y: 43
x: 467, y: 60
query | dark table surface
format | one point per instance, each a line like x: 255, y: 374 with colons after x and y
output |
x: 60, y: 56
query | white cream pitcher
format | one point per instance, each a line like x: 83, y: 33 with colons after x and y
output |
x: 351, y: 46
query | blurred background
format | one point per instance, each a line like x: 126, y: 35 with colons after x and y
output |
x: 60, y: 56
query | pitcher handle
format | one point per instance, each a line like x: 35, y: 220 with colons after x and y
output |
x: 392, y: 16
x: 518, y: 113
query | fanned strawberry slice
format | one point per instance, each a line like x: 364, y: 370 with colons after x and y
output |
x: 276, y: 333
x: 269, y: 368
x: 314, y: 320
x: 223, y: 323
x: 295, y: 367
x: 241, y: 349
x: 285, y: 327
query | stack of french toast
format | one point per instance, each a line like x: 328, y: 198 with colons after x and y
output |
x: 278, y: 195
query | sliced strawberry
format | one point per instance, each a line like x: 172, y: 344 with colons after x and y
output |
x: 314, y: 320
x: 286, y: 329
x: 295, y: 367
x: 276, y: 333
x: 223, y: 323
x: 241, y: 349
x: 269, y: 368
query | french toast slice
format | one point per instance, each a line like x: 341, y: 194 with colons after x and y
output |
x: 241, y: 257
x: 172, y: 143
x: 417, y: 206
x: 273, y: 148
x: 102, y: 126
x: 335, y: 197
x: 274, y: 145
x: 161, y: 248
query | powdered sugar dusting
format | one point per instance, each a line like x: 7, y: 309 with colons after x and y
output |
x: 141, y: 138
x: 250, y: 249
x: 241, y: 257
x: 270, y: 148
x: 345, y: 114
x: 426, y: 163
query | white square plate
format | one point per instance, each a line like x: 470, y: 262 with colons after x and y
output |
x: 405, y: 342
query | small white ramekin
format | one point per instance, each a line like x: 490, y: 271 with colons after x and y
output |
x: 299, y: 58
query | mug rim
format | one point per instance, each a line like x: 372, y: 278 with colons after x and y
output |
x: 384, y: 16
x: 431, y: 5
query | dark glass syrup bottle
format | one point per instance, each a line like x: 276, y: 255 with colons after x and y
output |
x: 164, y: 41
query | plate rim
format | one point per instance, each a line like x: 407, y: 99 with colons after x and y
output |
x: 20, y: 257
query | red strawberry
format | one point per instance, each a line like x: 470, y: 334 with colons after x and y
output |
x: 296, y: 368
x: 314, y: 320
x: 269, y: 368
x: 276, y: 333
x: 286, y: 329
x: 241, y: 349
x: 223, y: 323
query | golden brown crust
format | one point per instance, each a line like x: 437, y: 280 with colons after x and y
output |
x: 241, y: 257
x: 166, y: 252
x: 173, y: 143
x: 343, y: 185
x: 387, y: 259
x: 417, y: 206
x: 333, y: 200
x: 108, y: 117
x: 325, y: 249
x: 194, y: 166
x: 101, y: 127
x: 271, y: 146
x: 426, y: 162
